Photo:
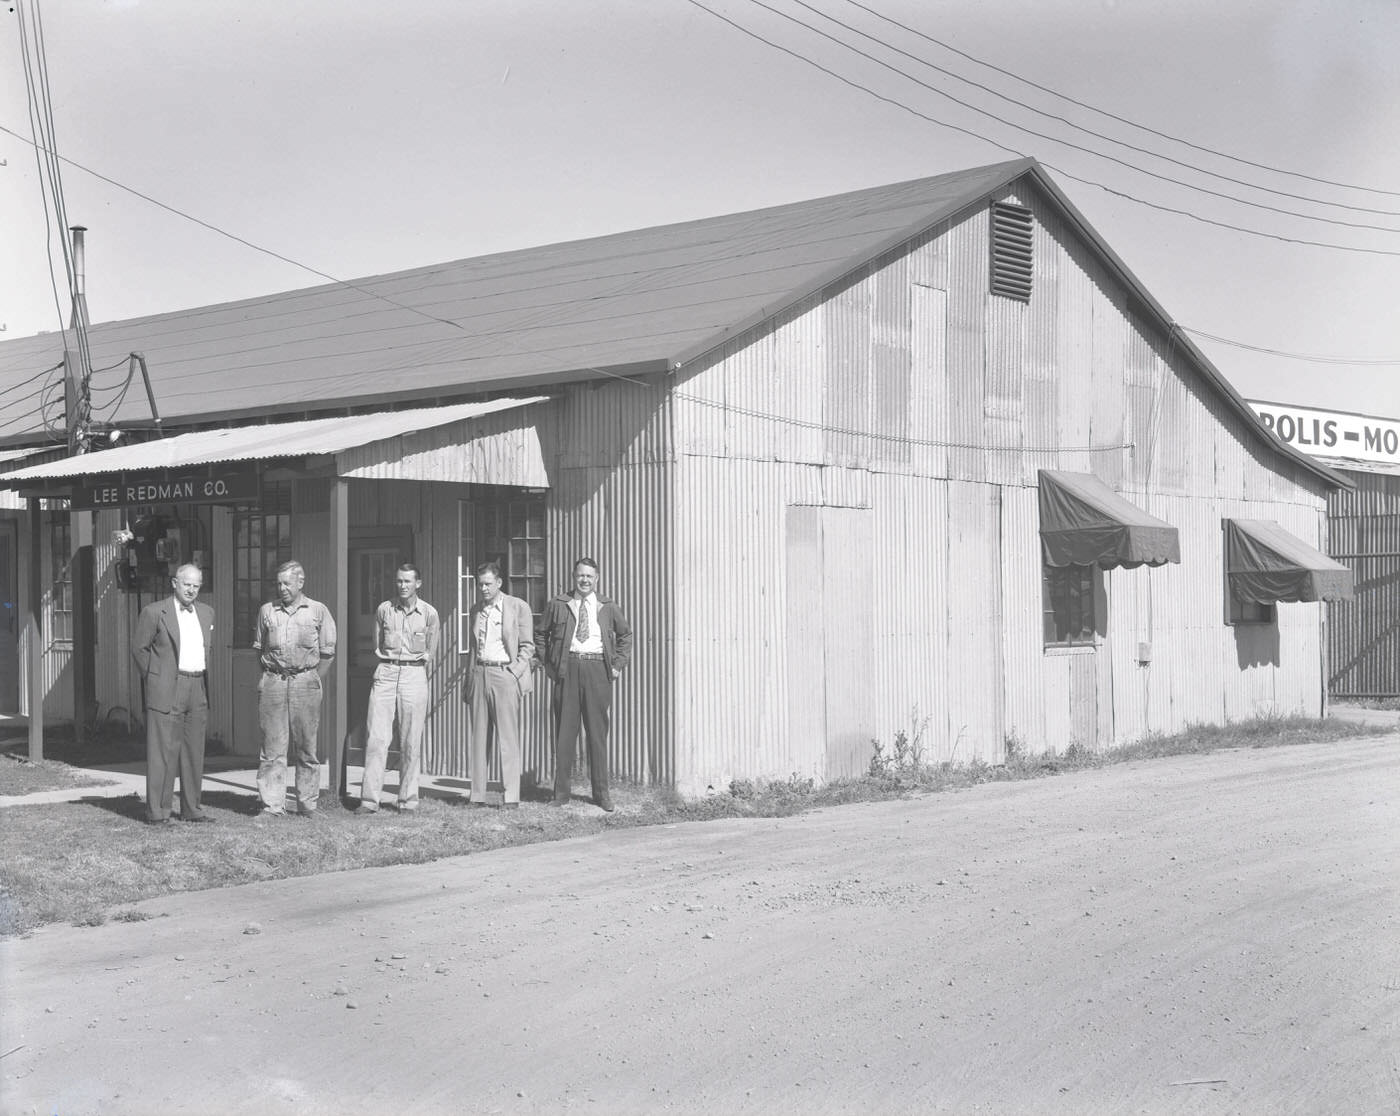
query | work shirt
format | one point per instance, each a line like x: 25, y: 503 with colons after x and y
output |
x: 191, y: 640
x: 406, y: 635
x: 295, y: 638
x: 593, y: 645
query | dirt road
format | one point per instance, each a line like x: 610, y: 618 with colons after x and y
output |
x: 1197, y: 935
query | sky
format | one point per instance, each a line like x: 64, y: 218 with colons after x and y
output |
x: 356, y: 138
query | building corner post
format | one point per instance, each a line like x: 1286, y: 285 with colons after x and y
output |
x: 34, y: 633
x: 340, y: 609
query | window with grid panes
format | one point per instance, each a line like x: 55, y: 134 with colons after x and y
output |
x: 262, y: 541
x: 61, y: 583
x: 505, y: 527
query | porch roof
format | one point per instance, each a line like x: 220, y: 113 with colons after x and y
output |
x: 353, y: 439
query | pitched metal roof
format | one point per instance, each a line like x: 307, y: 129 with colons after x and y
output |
x: 626, y: 302
x: 629, y: 303
x: 261, y: 442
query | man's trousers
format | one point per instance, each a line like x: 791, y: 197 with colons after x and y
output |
x: 495, y: 712
x: 175, y: 742
x: 289, y: 714
x: 582, y: 696
x: 398, y: 694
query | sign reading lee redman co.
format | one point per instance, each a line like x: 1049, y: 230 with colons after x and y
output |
x: 190, y: 487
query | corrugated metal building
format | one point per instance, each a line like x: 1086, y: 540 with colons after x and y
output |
x: 812, y: 447
x: 1363, y: 524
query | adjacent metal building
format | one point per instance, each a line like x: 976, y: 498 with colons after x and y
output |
x: 1363, y: 533
x: 812, y: 448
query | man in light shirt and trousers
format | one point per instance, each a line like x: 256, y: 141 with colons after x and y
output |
x: 171, y: 646
x: 586, y: 644
x: 296, y: 642
x: 406, y: 632
x: 499, y: 675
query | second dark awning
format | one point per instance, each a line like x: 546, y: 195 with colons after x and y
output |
x: 1265, y: 563
x: 1083, y: 522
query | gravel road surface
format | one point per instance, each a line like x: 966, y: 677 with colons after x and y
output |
x: 1214, y: 934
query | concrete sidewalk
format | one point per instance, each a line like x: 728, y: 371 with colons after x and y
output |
x: 230, y: 774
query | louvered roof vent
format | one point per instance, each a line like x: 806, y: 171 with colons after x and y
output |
x: 1011, y: 251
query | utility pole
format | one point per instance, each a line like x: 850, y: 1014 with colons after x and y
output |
x: 77, y: 369
x: 77, y: 374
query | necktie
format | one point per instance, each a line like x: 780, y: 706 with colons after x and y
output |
x: 583, y: 630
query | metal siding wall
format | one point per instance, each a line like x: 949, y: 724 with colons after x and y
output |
x: 1364, y: 523
x: 910, y: 583
x: 611, y: 500
x: 1073, y: 368
x: 973, y: 653
x: 929, y: 381
x: 967, y: 346
x: 848, y: 375
x: 730, y: 662
x: 1028, y: 685
x: 890, y: 360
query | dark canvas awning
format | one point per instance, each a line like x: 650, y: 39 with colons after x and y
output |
x: 1083, y: 522
x: 1265, y: 563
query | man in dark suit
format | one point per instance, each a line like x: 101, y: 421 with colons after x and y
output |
x: 500, y: 661
x: 585, y: 645
x: 172, y: 645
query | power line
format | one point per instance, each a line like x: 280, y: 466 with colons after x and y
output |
x: 1046, y: 136
x: 1081, y: 128
x: 238, y: 239
x: 1377, y: 362
x: 1013, y: 151
x: 1122, y: 119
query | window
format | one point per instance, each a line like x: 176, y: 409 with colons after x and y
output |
x: 505, y: 526
x: 61, y: 580
x: 262, y: 541
x: 1071, y: 601
x: 1011, y: 251
x: 1250, y: 612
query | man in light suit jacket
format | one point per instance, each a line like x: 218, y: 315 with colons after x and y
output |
x: 172, y: 645
x: 501, y: 650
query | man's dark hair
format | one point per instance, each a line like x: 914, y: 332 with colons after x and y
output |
x: 409, y: 566
x: 585, y: 562
x: 493, y: 568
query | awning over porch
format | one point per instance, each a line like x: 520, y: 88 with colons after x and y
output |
x: 11, y: 501
x: 1083, y: 522
x: 1265, y: 563
x: 497, y: 442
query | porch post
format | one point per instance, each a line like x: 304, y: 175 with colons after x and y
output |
x: 340, y: 609
x: 34, y: 633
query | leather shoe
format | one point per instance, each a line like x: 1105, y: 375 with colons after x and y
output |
x: 198, y: 818
x: 510, y: 805
x: 558, y: 801
x: 606, y: 805
x: 160, y: 821
x: 363, y: 811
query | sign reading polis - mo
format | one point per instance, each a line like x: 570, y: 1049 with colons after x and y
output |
x: 165, y: 486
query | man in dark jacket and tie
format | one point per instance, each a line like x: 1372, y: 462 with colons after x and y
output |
x: 585, y: 644
x: 172, y: 646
